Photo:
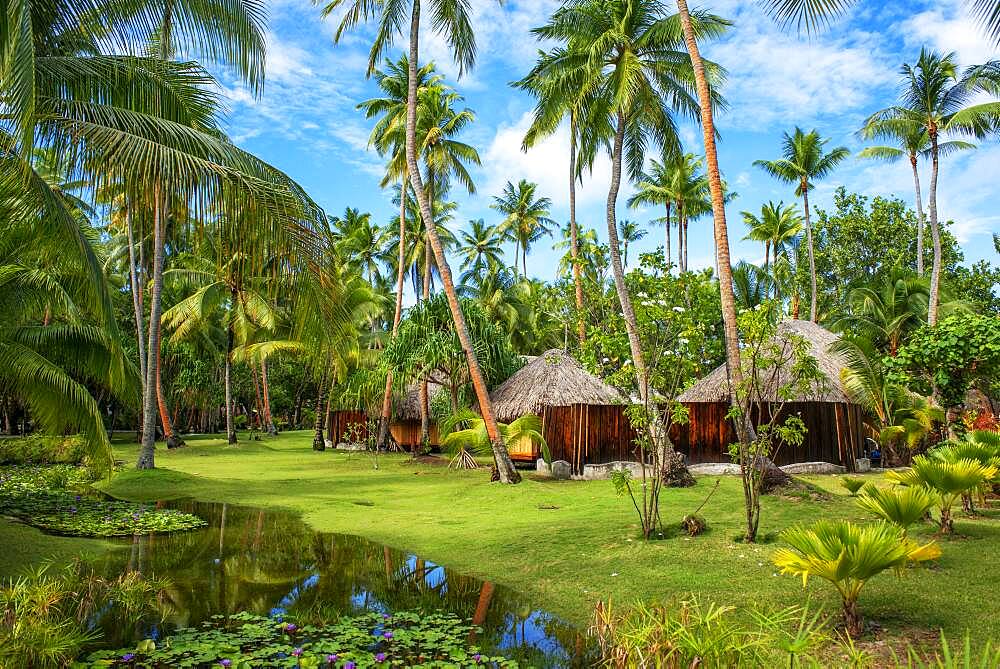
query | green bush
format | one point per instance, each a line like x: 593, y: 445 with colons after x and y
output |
x: 43, y: 449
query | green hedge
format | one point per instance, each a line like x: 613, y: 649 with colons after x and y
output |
x: 43, y: 449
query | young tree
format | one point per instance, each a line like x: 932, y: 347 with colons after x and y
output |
x: 526, y: 217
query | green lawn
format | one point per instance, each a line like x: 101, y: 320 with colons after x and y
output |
x: 586, y: 549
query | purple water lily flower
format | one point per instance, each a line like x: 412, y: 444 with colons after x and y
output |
x: 387, y: 635
x: 77, y: 498
x: 477, y: 657
x: 226, y: 663
x: 331, y: 658
x: 380, y: 657
x: 297, y: 652
x: 128, y: 657
x: 349, y: 665
x: 385, y: 616
x: 291, y: 627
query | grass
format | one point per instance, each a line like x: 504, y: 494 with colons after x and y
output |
x: 570, y: 544
x: 25, y: 547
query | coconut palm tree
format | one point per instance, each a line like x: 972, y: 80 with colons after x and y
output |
x: 911, y: 142
x: 480, y: 248
x: 777, y: 227
x: 885, y: 312
x: 452, y: 21
x: 937, y: 99
x: 630, y: 232
x: 526, y: 217
x: 655, y: 188
x: 804, y: 161
x: 591, y: 258
x: 364, y: 245
x: 628, y: 53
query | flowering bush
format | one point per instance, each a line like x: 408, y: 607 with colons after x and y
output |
x: 245, y: 640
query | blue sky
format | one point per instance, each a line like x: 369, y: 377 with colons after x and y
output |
x: 306, y: 123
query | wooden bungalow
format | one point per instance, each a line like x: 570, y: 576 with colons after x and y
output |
x: 583, y: 418
x: 836, y: 430
x: 405, y: 425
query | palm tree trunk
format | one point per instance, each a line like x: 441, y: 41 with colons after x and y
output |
x: 680, y: 238
x: 505, y: 467
x: 136, y: 299
x: 666, y: 248
x: 266, y: 389
x: 812, y: 257
x: 932, y: 307
x: 920, y: 215
x: 385, y: 419
x: 424, y: 396
x: 685, y: 244
x: 171, y: 439
x: 524, y: 259
x: 230, y: 423
x: 725, y: 272
x: 574, y: 240
x: 147, y: 450
x: 319, y: 444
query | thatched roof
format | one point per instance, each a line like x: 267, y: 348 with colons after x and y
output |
x: 408, y: 406
x: 551, y: 379
x: 715, y: 386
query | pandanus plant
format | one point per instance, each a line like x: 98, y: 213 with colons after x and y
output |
x: 465, y: 444
x: 848, y: 556
x: 901, y: 506
x: 948, y: 475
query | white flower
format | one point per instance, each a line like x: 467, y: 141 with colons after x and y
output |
x: 606, y: 360
x: 682, y: 341
x: 679, y: 310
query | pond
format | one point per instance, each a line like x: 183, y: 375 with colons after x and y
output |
x: 271, y: 563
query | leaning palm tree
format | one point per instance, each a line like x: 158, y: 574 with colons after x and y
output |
x: 911, y: 142
x: 452, y: 21
x: 526, y: 217
x: 937, y: 99
x: 803, y: 161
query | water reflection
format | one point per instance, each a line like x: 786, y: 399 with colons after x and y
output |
x: 270, y: 562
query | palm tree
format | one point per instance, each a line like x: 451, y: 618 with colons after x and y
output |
x: 751, y: 284
x: 655, y: 187
x: 886, y: 311
x: 526, y: 217
x: 363, y: 243
x: 777, y: 226
x: 630, y: 233
x: 804, y: 161
x: 552, y: 106
x: 936, y: 99
x: 628, y: 54
x: 481, y: 249
x: 590, y: 259
x: 911, y: 142
x: 388, y: 136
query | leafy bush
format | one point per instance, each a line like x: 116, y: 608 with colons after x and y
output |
x: 58, y: 499
x: 901, y: 506
x: 853, y: 485
x: 42, y: 449
x: 848, y: 556
x: 692, y: 634
x: 45, y: 616
x: 247, y: 640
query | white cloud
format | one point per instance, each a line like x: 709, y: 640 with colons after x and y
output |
x: 947, y: 27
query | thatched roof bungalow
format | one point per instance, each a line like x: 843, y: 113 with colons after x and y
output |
x: 583, y: 417
x: 835, y: 424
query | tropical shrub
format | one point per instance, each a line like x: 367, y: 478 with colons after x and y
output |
x: 901, y: 505
x: 473, y: 440
x: 58, y: 499
x: 853, y: 485
x: 945, y: 658
x: 848, y: 555
x: 692, y: 634
x: 45, y: 615
x: 949, y: 476
x: 246, y: 640
x: 43, y: 449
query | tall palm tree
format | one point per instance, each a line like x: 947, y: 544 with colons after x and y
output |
x: 777, y: 226
x: 630, y: 232
x: 526, y: 217
x: 480, y: 248
x: 362, y: 242
x: 590, y: 259
x: 556, y: 99
x: 937, y: 99
x: 388, y: 137
x: 804, y: 161
x: 629, y: 52
x: 655, y: 187
x: 911, y: 142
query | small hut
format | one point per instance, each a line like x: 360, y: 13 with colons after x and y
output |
x: 583, y: 418
x: 836, y: 430
x: 405, y: 426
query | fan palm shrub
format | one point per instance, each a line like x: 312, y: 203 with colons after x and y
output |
x: 465, y: 444
x: 946, y: 474
x: 853, y: 485
x: 900, y: 505
x: 848, y: 556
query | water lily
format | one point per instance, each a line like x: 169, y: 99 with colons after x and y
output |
x: 387, y: 635
x: 331, y: 658
x: 380, y: 657
x: 226, y: 662
x: 128, y: 657
x: 291, y: 627
x: 349, y: 665
x: 297, y: 652
x: 477, y: 658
